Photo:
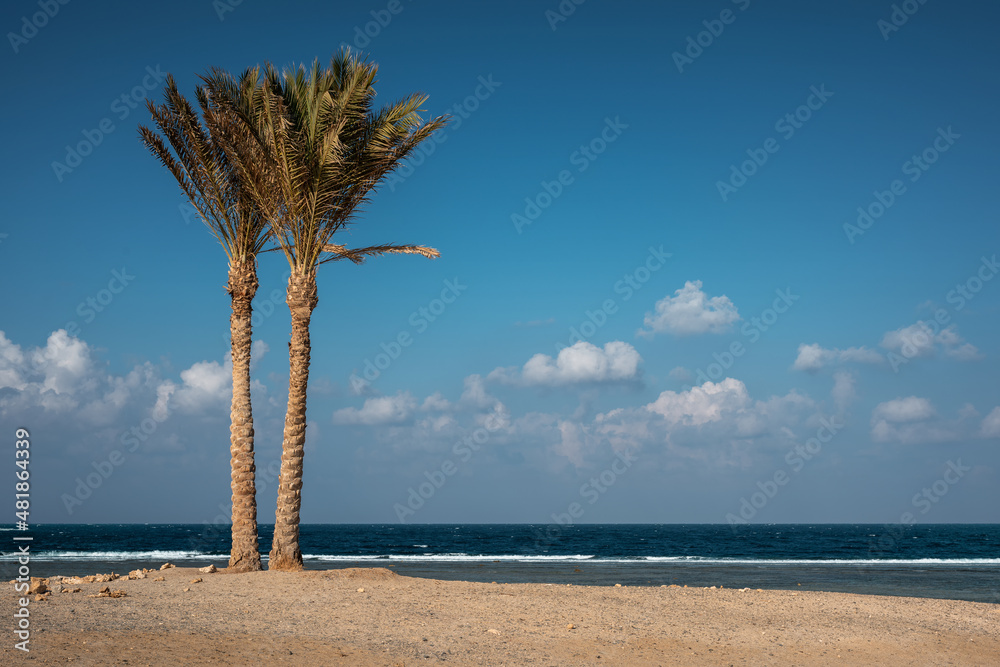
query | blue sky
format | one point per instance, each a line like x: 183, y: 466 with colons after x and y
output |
x: 680, y: 183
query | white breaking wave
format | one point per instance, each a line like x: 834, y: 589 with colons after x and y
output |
x: 112, y: 556
x: 123, y: 555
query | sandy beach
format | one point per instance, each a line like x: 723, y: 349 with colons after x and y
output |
x: 376, y: 617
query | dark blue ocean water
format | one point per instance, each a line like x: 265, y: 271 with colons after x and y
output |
x: 946, y: 561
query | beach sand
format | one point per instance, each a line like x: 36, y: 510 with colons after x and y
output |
x: 375, y: 617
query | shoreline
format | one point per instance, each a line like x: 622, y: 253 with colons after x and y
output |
x: 373, y: 616
x: 971, y: 583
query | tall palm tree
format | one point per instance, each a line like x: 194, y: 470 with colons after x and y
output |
x: 328, y: 148
x: 207, y: 176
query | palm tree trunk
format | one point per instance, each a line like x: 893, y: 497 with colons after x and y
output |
x: 245, y: 555
x: 285, y: 552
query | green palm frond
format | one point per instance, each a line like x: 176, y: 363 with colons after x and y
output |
x: 312, y: 148
x: 196, y: 152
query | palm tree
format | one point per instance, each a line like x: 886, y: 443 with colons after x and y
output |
x: 208, y: 178
x: 328, y: 149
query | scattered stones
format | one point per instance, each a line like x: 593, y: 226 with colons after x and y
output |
x: 41, y: 596
x: 166, y: 566
x: 136, y: 574
x: 211, y: 569
x: 160, y: 579
x: 71, y: 590
x: 101, y: 578
x: 197, y: 580
x: 37, y: 585
x: 72, y: 580
x: 106, y: 592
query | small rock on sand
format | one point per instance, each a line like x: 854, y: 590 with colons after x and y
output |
x: 160, y: 579
x: 166, y: 566
x: 493, y: 631
x: 208, y: 570
x: 197, y: 580
x: 106, y: 592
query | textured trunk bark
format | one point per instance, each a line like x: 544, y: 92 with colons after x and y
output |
x: 285, y: 552
x: 245, y: 555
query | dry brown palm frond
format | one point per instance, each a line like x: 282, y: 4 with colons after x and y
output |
x: 359, y: 255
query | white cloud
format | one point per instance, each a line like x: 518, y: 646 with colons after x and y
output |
x: 580, y: 364
x: 379, y: 410
x: 204, y: 384
x: 12, y: 366
x: 474, y: 392
x: 813, y: 357
x: 436, y: 403
x: 843, y: 392
x: 64, y: 362
x: 690, y: 311
x: 700, y: 405
x: 715, y: 424
x: 900, y: 410
x: 258, y: 349
x: 991, y: 424
x: 920, y: 340
x: 909, y: 421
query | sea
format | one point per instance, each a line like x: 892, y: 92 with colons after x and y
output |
x: 953, y: 561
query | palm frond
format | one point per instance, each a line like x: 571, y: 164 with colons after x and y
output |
x: 358, y: 255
